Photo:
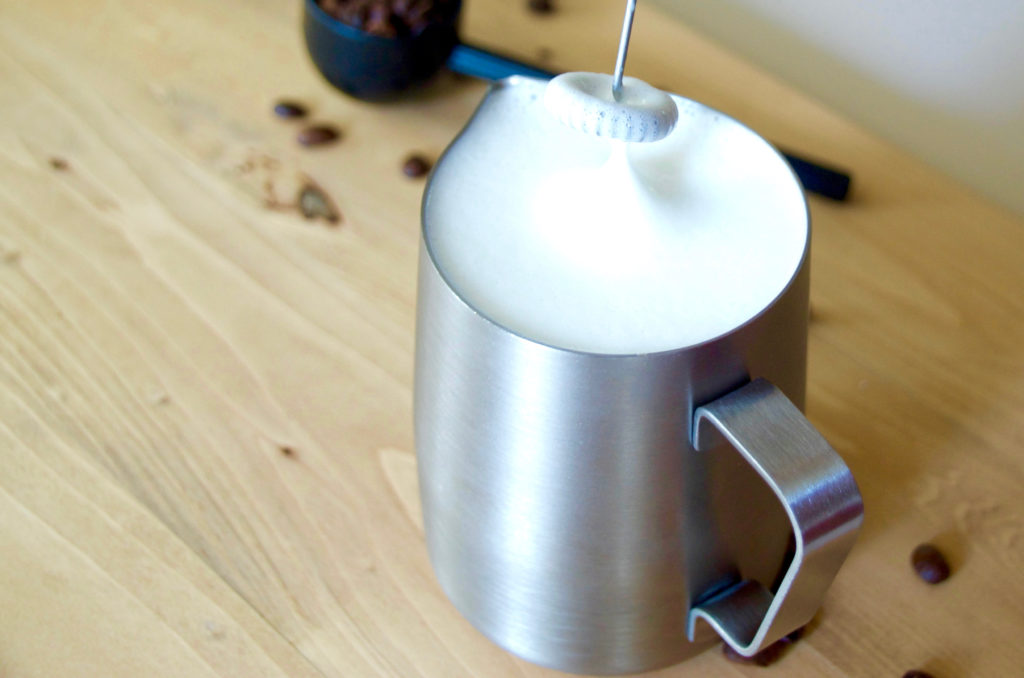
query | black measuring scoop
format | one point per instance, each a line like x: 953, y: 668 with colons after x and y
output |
x: 377, y: 68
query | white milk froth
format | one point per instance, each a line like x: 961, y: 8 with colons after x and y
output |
x: 604, y: 246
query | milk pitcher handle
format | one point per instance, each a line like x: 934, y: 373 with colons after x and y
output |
x: 818, y: 493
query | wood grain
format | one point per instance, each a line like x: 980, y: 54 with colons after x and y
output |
x: 205, y: 405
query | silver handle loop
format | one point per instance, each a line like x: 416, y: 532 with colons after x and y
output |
x: 818, y: 493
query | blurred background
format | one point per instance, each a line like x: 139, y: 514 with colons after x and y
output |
x: 944, y: 79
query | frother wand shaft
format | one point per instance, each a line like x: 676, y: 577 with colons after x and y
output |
x: 620, y: 61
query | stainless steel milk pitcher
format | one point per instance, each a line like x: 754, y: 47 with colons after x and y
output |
x: 587, y: 511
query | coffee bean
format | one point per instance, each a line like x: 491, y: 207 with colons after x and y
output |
x: 416, y: 166
x: 391, y: 18
x: 917, y: 674
x: 314, y: 203
x: 289, y: 110
x: 768, y: 655
x: 380, y: 21
x: 930, y: 564
x: 541, y: 6
x: 318, y: 135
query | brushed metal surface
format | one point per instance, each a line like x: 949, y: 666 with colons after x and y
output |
x: 821, y: 500
x: 567, y: 514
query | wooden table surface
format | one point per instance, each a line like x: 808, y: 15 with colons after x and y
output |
x: 206, y: 456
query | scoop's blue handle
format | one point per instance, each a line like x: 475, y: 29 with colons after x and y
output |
x: 488, y: 65
x: 825, y: 181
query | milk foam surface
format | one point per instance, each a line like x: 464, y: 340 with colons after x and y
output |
x: 605, y: 246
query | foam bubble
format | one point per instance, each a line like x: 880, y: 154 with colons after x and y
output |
x: 584, y: 101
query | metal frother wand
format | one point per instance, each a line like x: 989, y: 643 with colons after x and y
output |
x: 620, y: 62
